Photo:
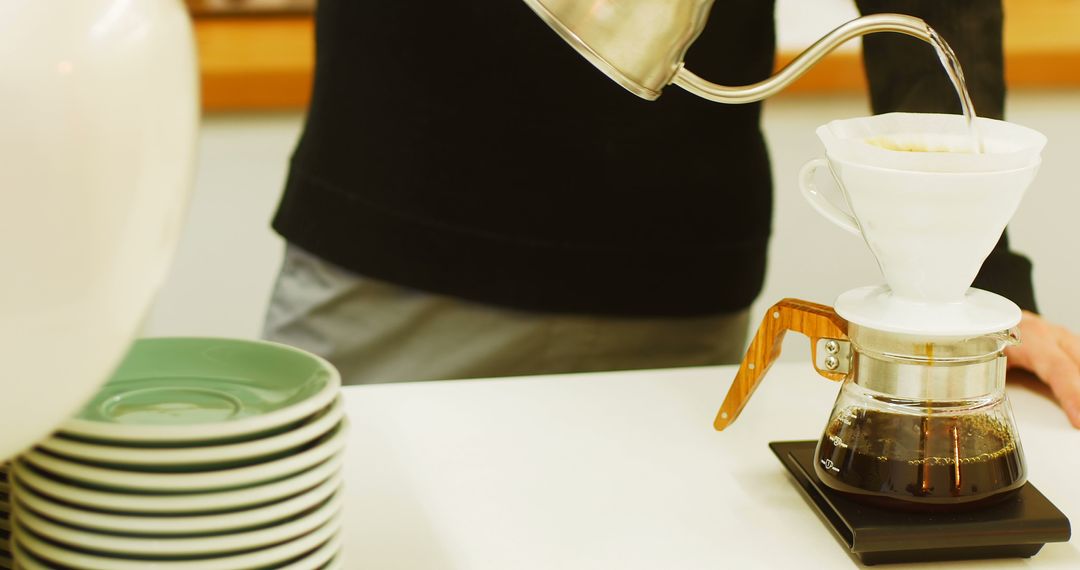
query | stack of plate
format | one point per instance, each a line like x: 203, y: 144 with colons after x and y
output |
x: 5, y: 525
x: 199, y: 453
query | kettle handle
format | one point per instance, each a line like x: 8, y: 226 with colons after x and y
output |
x: 811, y: 319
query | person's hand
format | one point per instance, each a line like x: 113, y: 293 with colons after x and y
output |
x: 1052, y: 353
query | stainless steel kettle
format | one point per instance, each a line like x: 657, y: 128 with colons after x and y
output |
x: 641, y: 43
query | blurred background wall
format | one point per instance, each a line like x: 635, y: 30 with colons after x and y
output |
x: 256, y: 72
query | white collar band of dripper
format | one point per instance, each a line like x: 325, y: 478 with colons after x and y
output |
x: 980, y: 312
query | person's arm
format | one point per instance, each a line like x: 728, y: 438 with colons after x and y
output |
x: 905, y: 75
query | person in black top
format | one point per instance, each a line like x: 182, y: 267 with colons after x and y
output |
x: 470, y: 197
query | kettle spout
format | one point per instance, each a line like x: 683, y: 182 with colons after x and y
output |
x: 898, y: 23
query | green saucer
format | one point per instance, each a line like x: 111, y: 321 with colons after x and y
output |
x: 195, y: 390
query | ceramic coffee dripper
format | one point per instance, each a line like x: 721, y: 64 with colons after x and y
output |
x: 922, y: 420
x: 930, y: 219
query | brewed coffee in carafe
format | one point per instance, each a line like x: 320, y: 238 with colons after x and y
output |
x: 942, y: 460
x: 923, y: 425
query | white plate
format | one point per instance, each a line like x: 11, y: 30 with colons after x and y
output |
x: 177, y: 525
x: 245, y: 476
x: 272, y: 384
x: 201, y: 503
x: 161, y: 546
x: 324, y: 558
x: 876, y: 307
x: 27, y: 561
x: 199, y: 456
x: 57, y: 554
x: 317, y: 559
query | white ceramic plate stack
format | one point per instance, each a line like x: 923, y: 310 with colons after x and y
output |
x: 199, y: 453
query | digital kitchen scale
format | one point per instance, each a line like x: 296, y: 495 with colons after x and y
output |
x: 1017, y: 527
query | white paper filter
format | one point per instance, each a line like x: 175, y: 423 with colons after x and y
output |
x: 943, y: 143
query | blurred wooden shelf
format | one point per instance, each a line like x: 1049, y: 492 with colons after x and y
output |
x: 267, y: 62
x: 1042, y: 50
x: 255, y: 62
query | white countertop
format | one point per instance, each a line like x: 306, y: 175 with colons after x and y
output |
x: 618, y: 471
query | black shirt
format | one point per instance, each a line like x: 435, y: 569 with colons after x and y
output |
x: 463, y: 148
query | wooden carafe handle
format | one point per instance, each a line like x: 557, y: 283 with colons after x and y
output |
x: 811, y: 319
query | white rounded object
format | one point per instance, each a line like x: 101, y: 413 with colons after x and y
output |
x: 178, y: 524
x: 26, y: 560
x: 26, y: 541
x: 930, y: 232
x: 978, y: 313
x: 100, y: 116
x: 171, y: 546
x: 235, y: 478
x: 320, y: 558
x: 208, y: 456
x: 943, y: 142
x: 197, y: 503
x: 178, y: 391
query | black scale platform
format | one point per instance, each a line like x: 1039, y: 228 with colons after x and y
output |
x: 1018, y: 527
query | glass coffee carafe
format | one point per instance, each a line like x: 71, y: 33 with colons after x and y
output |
x: 920, y: 423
